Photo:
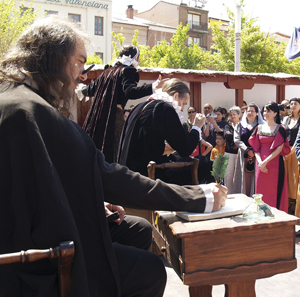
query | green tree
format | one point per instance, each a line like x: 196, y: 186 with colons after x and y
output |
x: 14, y: 19
x: 94, y: 59
x: 117, y: 43
x: 259, y: 51
x: 119, y: 40
x: 176, y: 55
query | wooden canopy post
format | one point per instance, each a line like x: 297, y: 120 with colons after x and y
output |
x: 239, y: 97
x: 195, y: 100
x: 280, y: 93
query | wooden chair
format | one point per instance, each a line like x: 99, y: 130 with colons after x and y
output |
x: 147, y: 214
x: 152, y: 166
x: 64, y: 253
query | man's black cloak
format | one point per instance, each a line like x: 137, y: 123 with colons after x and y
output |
x: 116, y: 85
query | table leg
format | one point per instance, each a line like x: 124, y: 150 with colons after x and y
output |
x: 200, y: 291
x: 240, y: 289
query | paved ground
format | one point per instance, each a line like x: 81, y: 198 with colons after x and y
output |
x: 280, y: 285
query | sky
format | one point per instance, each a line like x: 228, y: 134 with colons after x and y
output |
x: 274, y: 16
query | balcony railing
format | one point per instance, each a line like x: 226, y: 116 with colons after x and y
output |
x: 198, y: 26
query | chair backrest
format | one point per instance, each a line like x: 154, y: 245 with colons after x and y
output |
x: 64, y: 253
x: 193, y: 163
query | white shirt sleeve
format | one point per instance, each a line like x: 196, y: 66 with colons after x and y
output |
x: 209, y: 197
x: 199, y: 130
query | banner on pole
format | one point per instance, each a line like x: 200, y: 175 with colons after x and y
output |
x: 293, y: 48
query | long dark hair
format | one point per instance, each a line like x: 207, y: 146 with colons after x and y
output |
x: 42, y: 53
x: 294, y: 99
x: 273, y: 107
x: 129, y: 50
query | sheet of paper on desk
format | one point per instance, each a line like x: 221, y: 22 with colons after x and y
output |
x: 232, y: 207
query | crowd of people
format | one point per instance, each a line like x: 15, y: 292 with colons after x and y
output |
x: 261, y: 148
x: 260, y: 144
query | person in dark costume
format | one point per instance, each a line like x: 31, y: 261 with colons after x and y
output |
x: 152, y: 123
x: 112, y: 89
x: 54, y: 181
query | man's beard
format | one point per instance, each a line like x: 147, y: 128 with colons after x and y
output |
x: 65, y: 95
x: 68, y: 90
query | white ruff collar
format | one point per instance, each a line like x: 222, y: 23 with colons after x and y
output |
x: 164, y: 96
x: 127, y: 60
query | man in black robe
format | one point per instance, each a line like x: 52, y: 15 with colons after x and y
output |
x: 54, y: 181
x: 112, y: 89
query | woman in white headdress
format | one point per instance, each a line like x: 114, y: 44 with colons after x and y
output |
x: 112, y: 89
x: 155, y: 122
x: 244, y: 181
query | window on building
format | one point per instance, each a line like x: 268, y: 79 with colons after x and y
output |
x: 23, y: 9
x: 98, y: 25
x: 194, y: 20
x: 159, y: 42
x: 100, y: 55
x: 194, y: 40
x: 75, y: 17
x: 51, y: 12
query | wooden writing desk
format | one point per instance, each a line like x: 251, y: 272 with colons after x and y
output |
x: 226, y: 251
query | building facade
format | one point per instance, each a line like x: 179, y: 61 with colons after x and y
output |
x: 127, y: 27
x: 149, y: 33
x: 196, y: 17
x: 95, y: 18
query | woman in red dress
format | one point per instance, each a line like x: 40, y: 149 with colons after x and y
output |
x: 270, y: 144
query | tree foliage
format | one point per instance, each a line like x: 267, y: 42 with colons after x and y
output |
x: 94, y: 59
x: 14, y: 19
x: 259, y: 51
x: 178, y: 54
x: 117, y: 43
x: 175, y: 55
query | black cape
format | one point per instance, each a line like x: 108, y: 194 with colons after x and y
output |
x: 116, y: 85
x: 147, y: 128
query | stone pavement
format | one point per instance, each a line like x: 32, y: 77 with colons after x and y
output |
x: 280, y: 285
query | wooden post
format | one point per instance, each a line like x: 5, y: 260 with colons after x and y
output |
x: 240, y: 289
x: 65, y: 261
x: 194, y: 172
x: 280, y: 93
x: 200, y: 291
x: 195, y: 100
x: 239, y: 97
